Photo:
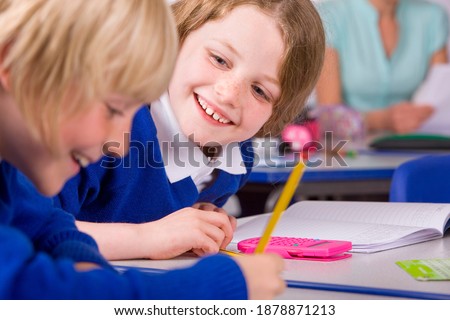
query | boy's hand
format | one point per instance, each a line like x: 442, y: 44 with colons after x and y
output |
x: 262, y: 275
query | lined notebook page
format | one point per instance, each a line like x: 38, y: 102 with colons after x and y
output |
x: 430, y: 215
x: 371, y: 226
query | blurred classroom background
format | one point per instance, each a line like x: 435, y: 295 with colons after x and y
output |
x: 348, y: 162
x: 345, y: 163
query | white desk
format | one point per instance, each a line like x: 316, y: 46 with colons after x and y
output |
x: 376, y: 271
x: 371, y: 271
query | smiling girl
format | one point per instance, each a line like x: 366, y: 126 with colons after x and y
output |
x: 245, y: 68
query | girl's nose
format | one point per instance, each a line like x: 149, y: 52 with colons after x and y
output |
x: 229, y: 91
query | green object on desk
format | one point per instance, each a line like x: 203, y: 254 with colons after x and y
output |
x: 349, y: 154
x: 352, y: 153
x: 412, y: 141
x: 427, y: 270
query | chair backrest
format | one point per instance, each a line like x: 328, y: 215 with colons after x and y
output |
x: 425, y: 179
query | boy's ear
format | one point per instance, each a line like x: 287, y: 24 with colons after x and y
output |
x: 4, y: 74
x: 4, y: 79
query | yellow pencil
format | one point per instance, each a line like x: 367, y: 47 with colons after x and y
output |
x: 230, y: 253
x: 281, y: 205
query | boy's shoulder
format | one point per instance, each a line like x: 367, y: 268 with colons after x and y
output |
x: 143, y: 127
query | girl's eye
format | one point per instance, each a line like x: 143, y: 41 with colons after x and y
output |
x: 260, y: 92
x: 220, y: 61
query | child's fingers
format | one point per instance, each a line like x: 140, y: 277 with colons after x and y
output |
x: 214, y: 230
x: 204, y: 206
x: 217, y: 209
x: 206, y: 246
x: 222, y: 221
x: 228, y: 238
x: 216, y: 233
x: 199, y: 252
x: 233, y: 222
x: 263, y: 275
x: 207, y: 240
x: 207, y: 206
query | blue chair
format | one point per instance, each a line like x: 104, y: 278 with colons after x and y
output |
x: 425, y: 179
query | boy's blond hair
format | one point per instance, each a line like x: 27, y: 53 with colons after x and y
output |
x: 77, y: 51
x: 304, y: 40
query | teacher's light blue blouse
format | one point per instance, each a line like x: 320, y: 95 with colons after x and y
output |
x: 370, y: 79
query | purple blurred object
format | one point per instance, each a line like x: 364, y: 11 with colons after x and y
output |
x: 344, y: 122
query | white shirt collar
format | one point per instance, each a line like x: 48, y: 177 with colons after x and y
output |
x: 183, y: 158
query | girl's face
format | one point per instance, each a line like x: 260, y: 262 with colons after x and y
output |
x: 80, y: 142
x: 226, y: 81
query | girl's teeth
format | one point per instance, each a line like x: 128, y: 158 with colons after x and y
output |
x: 211, y: 112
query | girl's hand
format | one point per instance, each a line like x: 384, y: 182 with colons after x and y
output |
x: 207, y: 206
x: 203, y: 232
x: 262, y: 275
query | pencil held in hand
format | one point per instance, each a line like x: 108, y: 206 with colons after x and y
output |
x: 281, y: 205
x: 230, y: 253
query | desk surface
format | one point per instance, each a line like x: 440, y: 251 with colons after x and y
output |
x: 364, y: 275
x: 376, y: 271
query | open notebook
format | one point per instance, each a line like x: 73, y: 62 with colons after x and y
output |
x: 370, y: 226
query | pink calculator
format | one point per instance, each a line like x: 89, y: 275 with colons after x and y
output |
x: 301, y: 248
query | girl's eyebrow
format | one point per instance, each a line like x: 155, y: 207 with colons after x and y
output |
x: 271, y: 79
x: 229, y: 47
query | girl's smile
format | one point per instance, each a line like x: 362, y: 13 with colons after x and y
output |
x: 212, y: 112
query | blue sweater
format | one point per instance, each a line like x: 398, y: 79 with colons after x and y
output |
x: 39, y: 245
x: 136, y: 189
